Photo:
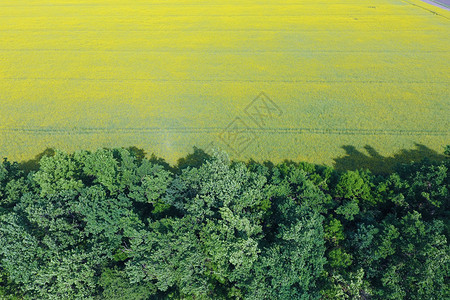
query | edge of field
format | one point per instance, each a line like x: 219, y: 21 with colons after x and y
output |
x: 430, y: 7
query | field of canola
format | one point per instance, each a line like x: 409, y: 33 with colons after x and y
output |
x: 262, y: 79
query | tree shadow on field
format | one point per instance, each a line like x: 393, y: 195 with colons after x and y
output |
x: 33, y: 164
x: 352, y: 160
x: 378, y: 164
x: 194, y: 160
x: 138, y: 153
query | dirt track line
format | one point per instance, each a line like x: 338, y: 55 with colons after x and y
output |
x: 224, y: 80
x: 190, y: 130
x: 219, y: 30
x: 207, y: 51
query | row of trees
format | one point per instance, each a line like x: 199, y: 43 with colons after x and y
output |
x: 112, y: 224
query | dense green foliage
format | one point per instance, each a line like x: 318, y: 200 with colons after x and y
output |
x: 112, y: 224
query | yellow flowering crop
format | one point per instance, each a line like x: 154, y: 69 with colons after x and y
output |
x: 261, y: 79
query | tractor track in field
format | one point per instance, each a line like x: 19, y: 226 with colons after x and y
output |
x: 190, y: 130
x: 222, y: 80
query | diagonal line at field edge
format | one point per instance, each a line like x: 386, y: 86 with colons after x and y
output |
x: 424, y: 8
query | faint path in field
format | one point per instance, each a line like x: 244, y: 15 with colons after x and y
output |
x: 265, y: 130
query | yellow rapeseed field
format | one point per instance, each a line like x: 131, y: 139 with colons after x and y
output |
x: 262, y: 79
